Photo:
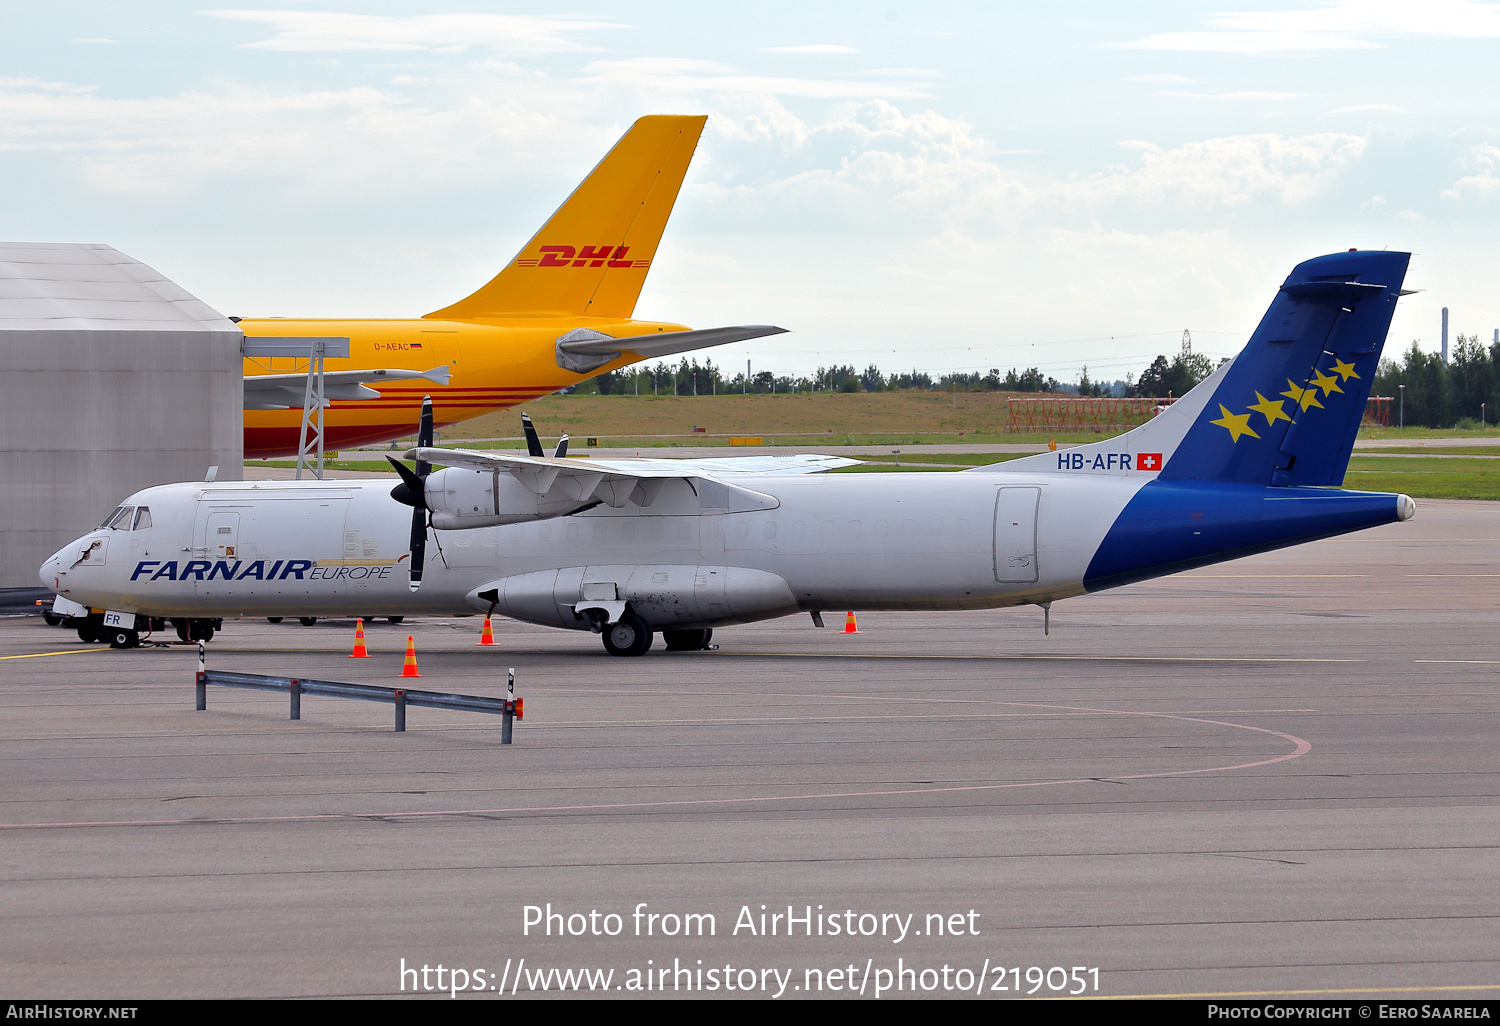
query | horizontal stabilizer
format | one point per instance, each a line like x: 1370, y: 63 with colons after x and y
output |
x: 583, y: 350
x: 281, y: 391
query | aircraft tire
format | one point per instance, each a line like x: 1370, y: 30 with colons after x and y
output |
x: 629, y: 636
x: 87, y: 632
x: 394, y: 619
x: 686, y: 641
x: 307, y: 621
x: 184, y: 631
x: 119, y: 637
x: 274, y: 619
x: 53, y: 620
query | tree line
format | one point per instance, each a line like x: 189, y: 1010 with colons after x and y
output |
x: 689, y: 377
x: 1463, y: 393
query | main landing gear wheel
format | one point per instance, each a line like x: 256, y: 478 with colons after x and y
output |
x: 273, y: 619
x: 394, y: 619
x: 628, y: 637
x: 118, y: 637
x: 307, y: 621
x: 687, y: 641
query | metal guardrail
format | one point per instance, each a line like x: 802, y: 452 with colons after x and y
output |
x: 508, y: 708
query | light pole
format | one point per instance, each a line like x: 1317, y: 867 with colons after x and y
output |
x: 1403, y: 406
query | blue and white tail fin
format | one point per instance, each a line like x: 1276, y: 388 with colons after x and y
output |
x: 1285, y: 411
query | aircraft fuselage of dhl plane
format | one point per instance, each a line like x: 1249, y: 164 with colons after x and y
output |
x: 1247, y: 461
x: 558, y: 313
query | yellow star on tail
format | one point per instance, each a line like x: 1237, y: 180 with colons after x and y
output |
x: 1306, y: 396
x: 1327, y: 382
x: 1270, y: 409
x: 1344, y: 370
x: 1235, y: 423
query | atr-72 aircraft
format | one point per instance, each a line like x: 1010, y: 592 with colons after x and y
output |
x: 558, y: 313
x: 1243, y: 463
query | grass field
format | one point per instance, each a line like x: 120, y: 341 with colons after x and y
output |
x: 861, y: 418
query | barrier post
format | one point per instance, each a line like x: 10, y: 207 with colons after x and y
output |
x: 296, y: 690
x: 202, y: 689
x: 510, y: 703
x: 401, y: 711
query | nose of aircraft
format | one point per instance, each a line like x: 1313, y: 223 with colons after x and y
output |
x: 57, y: 565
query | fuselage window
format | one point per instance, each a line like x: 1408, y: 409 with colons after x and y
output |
x: 142, y: 518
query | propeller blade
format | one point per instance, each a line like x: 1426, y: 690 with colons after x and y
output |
x: 562, y: 447
x: 412, y: 491
x: 424, y: 434
x: 533, y: 443
x: 418, y: 547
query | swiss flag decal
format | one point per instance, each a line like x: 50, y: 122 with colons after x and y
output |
x: 1148, y: 461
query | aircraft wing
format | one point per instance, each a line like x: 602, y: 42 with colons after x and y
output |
x: 280, y: 391
x: 584, y: 349
x: 615, y: 481
x: 722, y: 466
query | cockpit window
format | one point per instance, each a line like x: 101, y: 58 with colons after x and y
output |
x: 120, y: 521
x: 111, y: 518
x: 142, y: 518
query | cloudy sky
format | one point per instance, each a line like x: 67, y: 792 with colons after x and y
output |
x: 944, y: 186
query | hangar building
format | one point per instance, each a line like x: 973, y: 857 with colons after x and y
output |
x: 112, y: 379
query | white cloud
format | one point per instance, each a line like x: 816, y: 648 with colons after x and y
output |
x: 685, y: 74
x: 1360, y: 108
x: 1344, y: 25
x: 323, y: 31
x: 811, y: 49
x: 1484, y: 161
x: 1253, y: 95
x: 1163, y: 78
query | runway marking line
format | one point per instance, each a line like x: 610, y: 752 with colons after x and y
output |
x: 1300, y: 748
x: 66, y: 651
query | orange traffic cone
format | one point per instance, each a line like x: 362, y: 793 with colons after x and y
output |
x: 359, y: 641
x: 850, y: 627
x: 488, y: 637
x: 409, y: 669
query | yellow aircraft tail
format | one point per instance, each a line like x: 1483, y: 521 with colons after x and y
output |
x: 591, y: 258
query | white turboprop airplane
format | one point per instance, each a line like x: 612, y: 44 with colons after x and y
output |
x: 1243, y: 463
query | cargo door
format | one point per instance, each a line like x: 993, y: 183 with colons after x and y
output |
x: 1015, y: 535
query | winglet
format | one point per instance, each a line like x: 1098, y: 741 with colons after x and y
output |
x: 591, y: 257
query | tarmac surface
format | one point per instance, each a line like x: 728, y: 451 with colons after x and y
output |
x: 1277, y: 777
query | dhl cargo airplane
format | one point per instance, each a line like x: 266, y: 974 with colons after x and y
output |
x: 1241, y: 464
x: 558, y: 313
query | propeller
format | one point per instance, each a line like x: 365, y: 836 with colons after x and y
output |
x: 534, y: 442
x: 412, y: 491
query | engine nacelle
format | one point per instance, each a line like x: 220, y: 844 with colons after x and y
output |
x: 666, y: 597
x: 460, y: 498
